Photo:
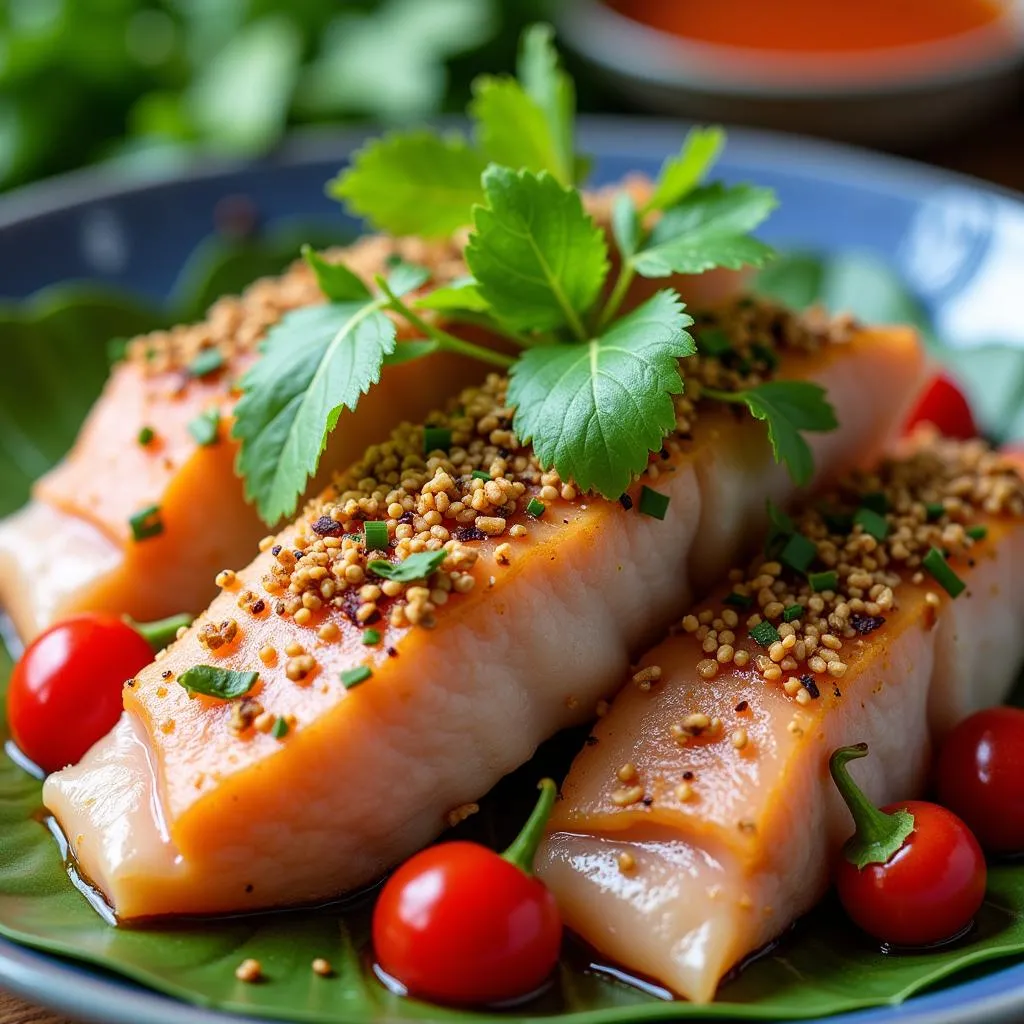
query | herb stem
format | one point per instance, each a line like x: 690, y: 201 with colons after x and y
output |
x: 162, y: 632
x: 618, y: 295
x: 524, y: 848
x: 446, y: 341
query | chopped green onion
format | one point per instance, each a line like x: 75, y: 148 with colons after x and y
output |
x: 371, y: 637
x: 871, y: 522
x: 876, y: 501
x: 479, y: 474
x: 208, y: 361
x: 146, y: 434
x: 820, y: 581
x: 798, y: 553
x: 146, y: 523
x: 935, y: 510
x: 279, y: 729
x: 536, y: 507
x: 436, y: 438
x: 765, y: 633
x: 977, y: 532
x: 205, y: 427
x: 792, y: 613
x: 653, y: 503
x: 738, y: 600
x: 714, y: 342
x: 354, y: 676
x: 376, y: 536
x: 935, y: 562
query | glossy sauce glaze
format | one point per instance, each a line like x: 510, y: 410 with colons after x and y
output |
x: 814, y: 26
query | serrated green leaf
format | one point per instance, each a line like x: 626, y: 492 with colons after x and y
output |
x: 596, y: 411
x: 789, y: 407
x: 554, y: 92
x: 217, y: 682
x: 405, y: 277
x: 539, y: 259
x: 336, y: 281
x: 416, y: 183
x: 821, y: 967
x: 418, y: 566
x: 317, y: 362
x: 708, y: 229
x: 459, y: 295
x: 625, y: 224
x: 682, y: 173
x: 511, y: 129
x: 407, y: 351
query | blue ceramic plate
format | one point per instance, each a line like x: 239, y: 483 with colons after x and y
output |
x: 958, y: 246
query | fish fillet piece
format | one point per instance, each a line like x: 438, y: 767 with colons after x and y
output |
x: 71, y: 548
x: 534, y: 619
x: 700, y: 820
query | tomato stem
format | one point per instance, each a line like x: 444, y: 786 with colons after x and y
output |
x: 878, y: 835
x: 524, y: 848
x: 160, y: 633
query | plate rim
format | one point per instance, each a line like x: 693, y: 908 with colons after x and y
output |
x: 90, y: 993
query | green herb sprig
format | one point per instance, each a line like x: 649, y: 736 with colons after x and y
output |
x: 592, y: 388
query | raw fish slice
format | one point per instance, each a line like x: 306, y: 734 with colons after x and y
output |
x: 534, y: 620
x: 700, y: 820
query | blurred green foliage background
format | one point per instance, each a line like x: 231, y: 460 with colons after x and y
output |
x: 138, y: 80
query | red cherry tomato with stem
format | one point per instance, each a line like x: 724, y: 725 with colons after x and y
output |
x: 980, y: 776
x: 912, y: 874
x: 65, y: 691
x: 460, y: 924
x: 943, y: 404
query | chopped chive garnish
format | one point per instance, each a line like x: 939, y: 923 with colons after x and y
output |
x: 536, y: 507
x: 653, y: 503
x: 935, y: 562
x: 479, y: 474
x: 765, y: 633
x: 738, y: 600
x: 354, y: 676
x: 876, y: 501
x: 146, y: 434
x: 208, y: 361
x: 205, y: 427
x: 279, y: 729
x: 376, y: 536
x: 935, y: 510
x: 977, y: 532
x: 146, y: 523
x: 435, y: 438
x: 820, y: 581
x: 798, y: 553
x: 371, y: 637
x: 714, y: 342
x: 792, y: 613
x: 871, y: 522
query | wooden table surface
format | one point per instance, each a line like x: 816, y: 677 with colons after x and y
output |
x: 994, y: 151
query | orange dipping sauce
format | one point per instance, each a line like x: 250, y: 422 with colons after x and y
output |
x: 817, y: 26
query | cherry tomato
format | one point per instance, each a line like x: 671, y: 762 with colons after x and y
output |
x: 460, y: 924
x: 65, y: 692
x: 943, y: 404
x: 980, y: 776
x: 912, y: 874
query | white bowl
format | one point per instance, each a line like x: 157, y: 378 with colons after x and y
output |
x: 898, y: 96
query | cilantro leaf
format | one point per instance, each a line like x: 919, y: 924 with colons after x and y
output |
x: 682, y: 173
x: 596, y: 411
x: 316, y: 362
x: 788, y: 407
x: 554, y: 92
x: 217, y: 682
x: 708, y: 229
x: 416, y: 183
x: 625, y: 224
x: 512, y: 130
x: 463, y: 294
x: 336, y: 281
x: 418, y: 566
x: 539, y: 259
x: 407, y: 277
